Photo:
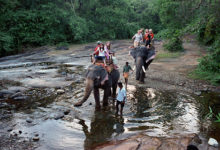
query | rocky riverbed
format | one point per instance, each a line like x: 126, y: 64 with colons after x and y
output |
x: 38, y: 90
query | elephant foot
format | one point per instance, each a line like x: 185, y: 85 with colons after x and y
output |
x: 141, y: 82
x: 78, y: 104
x: 105, y: 104
x: 97, y: 107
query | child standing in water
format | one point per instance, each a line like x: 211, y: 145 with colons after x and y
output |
x: 121, y: 97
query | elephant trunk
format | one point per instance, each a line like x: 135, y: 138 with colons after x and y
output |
x: 88, y: 90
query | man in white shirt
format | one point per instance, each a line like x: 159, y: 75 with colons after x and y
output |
x: 121, y: 97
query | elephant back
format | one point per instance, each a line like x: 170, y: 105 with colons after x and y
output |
x: 139, y: 52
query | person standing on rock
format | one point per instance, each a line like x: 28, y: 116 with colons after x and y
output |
x: 126, y: 70
x: 121, y: 97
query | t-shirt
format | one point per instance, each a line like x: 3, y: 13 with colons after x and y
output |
x: 127, y: 68
x: 146, y: 36
x: 152, y: 35
x: 101, y: 52
x: 121, y: 94
x: 97, y: 53
x: 138, y: 37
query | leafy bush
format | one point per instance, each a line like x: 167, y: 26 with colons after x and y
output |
x: 6, y: 43
x: 174, y: 44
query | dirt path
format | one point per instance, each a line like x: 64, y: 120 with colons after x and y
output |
x: 168, y: 73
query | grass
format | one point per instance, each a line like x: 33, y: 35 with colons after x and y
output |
x: 213, y: 78
x: 168, y: 55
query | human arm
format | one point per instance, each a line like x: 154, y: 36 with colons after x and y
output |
x: 95, y: 52
x: 133, y: 37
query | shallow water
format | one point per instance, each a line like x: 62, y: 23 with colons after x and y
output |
x: 152, y: 112
x: 147, y: 111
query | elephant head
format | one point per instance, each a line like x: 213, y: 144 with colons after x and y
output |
x: 143, y: 57
x: 140, y: 55
x: 96, y: 77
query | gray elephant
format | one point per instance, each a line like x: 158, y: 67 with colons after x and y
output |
x: 98, y: 77
x: 143, y: 56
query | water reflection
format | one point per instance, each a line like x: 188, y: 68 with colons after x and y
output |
x: 103, y: 125
x: 163, y: 113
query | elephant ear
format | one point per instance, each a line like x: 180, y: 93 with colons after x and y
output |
x: 96, y: 73
x: 133, y: 53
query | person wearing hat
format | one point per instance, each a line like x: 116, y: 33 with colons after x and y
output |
x: 126, y: 70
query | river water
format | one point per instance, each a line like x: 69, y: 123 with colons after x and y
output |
x: 147, y: 111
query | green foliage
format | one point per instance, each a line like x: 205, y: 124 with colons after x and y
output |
x: 6, y: 43
x: 174, y: 44
x: 218, y: 117
x: 211, y: 114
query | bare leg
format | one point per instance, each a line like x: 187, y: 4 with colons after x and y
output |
x: 122, y: 106
x: 126, y: 83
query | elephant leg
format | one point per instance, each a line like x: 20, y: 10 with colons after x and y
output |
x: 105, y: 97
x: 97, y: 101
x: 114, y: 88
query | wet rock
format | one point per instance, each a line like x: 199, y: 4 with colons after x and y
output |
x: 150, y: 143
x: 213, y: 142
x: 181, y: 84
x: 198, y: 93
x: 36, y: 138
x: 205, y: 89
x: 6, y: 93
x: 66, y: 112
x: 59, y: 116
x: 29, y: 120
x: 63, y: 73
x: 60, y: 91
x: 62, y: 48
x: 19, y: 131
x: 16, y: 95
x: 10, y: 129
x: 20, y: 98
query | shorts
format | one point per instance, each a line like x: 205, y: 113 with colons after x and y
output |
x: 100, y: 57
x: 136, y: 44
x: 126, y: 75
x: 120, y: 103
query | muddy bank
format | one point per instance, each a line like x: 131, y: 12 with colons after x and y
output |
x: 38, y: 90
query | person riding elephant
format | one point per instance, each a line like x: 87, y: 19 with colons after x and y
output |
x: 98, y: 77
x: 143, y: 56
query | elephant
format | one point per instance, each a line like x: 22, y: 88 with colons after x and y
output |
x: 97, y: 77
x: 143, y: 56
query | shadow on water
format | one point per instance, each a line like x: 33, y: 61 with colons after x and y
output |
x: 102, y: 127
